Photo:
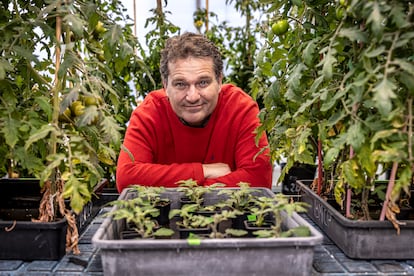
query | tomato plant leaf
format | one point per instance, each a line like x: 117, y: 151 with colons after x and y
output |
x: 308, y: 53
x: 44, y: 131
x: 355, y: 136
x: 76, y: 23
x: 366, y: 160
x: 375, y: 18
x: 371, y: 53
x: 353, y: 34
x: 383, y: 93
x: 4, y: 67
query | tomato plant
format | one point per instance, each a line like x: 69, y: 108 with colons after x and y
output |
x: 53, y: 54
x: 348, y: 64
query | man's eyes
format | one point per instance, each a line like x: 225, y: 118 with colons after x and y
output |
x: 200, y: 84
x: 203, y: 83
x: 180, y: 85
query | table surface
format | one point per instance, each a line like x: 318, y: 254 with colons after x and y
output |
x: 328, y: 260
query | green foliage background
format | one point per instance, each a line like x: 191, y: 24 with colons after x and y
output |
x: 342, y: 77
x: 96, y: 63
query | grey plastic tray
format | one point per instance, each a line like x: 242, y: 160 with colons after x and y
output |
x: 230, y: 256
x: 360, y: 239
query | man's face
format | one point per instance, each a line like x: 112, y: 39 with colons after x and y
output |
x: 192, y: 89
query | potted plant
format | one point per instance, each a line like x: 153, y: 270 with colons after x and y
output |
x: 141, y: 214
x: 268, y: 216
x: 341, y: 93
x: 241, y: 200
x: 190, y: 221
x: 192, y: 193
x: 153, y: 196
x: 220, y: 241
x: 64, y: 101
x: 213, y: 224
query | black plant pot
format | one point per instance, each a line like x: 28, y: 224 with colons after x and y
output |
x: 304, y: 172
x: 129, y: 235
x: 238, y: 221
x: 164, y: 206
x: 20, y: 238
x: 184, y: 233
x: 185, y: 200
x: 252, y: 227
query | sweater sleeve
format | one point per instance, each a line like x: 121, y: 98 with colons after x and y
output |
x: 136, y: 161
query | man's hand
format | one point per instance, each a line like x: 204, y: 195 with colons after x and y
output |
x: 215, y: 170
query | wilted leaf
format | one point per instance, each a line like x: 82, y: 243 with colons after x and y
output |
x: 383, y: 134
x: 367, y: 161
x: 339, y: 191
x: 352, y: 174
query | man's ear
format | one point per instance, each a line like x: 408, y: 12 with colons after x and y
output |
x: 220, y: 79
x: 220, y: 82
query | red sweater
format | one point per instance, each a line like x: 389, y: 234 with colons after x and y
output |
x: 164, y: 150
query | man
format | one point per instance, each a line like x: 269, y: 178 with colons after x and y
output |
x: 195, y: 127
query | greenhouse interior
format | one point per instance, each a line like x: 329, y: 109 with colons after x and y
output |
x: 197, y: 137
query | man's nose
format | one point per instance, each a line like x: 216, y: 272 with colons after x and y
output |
x: 192, y: 94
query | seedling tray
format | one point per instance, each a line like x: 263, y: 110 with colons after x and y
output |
x: 229, y: 256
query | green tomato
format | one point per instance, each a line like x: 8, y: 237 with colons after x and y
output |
x: 90, y: 100
x: 66, y: 116
x: 339, y: 13
x: 280, y: 27
x: 77, y: 108
x: 99, y: 28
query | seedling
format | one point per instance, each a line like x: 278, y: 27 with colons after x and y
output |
x: 241, y: 199
x: 141, y: 212
x: 193, y: 220
x: 193, y: 192
x: 189, y: 218
x: 274, y: 206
